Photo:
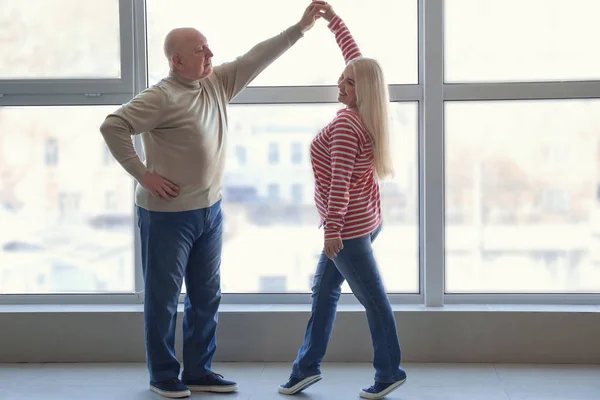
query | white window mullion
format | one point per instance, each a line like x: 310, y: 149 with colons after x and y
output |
x: 522, y: 91
x: 431, y: 150
x: 140, y: 83
x: 87, y: 99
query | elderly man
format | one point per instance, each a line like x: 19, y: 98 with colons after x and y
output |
x: 183, y: 123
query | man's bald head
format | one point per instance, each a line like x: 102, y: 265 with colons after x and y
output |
x: 177, y: 38
x: 188, y: 53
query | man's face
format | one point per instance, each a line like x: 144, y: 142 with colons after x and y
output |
x: 194, y: 61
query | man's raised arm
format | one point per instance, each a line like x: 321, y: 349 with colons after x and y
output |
x: 236, y: 75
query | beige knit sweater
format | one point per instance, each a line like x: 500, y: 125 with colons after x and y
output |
x: 183, y: 124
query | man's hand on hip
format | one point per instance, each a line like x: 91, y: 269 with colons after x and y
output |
x: 159, y: 186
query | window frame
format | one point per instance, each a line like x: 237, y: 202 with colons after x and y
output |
x: 431, y: 93
x: 508, y: 83
x: 90, y: 92
x: 65, y: 91
x: 498, y: 91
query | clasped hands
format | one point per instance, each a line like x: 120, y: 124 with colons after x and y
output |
x: 317, y: 9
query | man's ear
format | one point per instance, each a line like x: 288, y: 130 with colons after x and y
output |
x: 176, y: 60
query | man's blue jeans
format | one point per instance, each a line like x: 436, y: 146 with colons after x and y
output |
x: 356, y: 264
x: 177, y: 246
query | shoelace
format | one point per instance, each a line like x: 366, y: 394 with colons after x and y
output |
x: 373, y: 388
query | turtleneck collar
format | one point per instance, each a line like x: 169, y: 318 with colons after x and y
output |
x: 191, y: 83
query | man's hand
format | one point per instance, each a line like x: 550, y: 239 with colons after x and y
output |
x: 159, y: 186
x: 313, y: 12
x: 328, y: 12
x: 333, y: 247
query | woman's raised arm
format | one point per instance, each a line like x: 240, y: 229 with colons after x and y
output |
x: 342, y: 34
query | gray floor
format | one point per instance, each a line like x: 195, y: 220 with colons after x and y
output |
x: 341, y: 381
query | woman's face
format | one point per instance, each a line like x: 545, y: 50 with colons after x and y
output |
x: 347, y: 87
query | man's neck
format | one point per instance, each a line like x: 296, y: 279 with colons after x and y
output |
x: 194, y: 83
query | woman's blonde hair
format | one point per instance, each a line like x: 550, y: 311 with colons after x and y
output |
x: 372, y: 101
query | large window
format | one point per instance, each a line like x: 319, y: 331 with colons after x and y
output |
x: 522, y: 167
x: 272, y: 224
x: 522, y: 199
x: 273, y: 231
x: 59, y: 231
x: 495, y: 142
x: 67, y: 52
x: 517, y: 40
x: 59, y: 39
x: 315, y: 59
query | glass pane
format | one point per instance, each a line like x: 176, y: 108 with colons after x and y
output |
x: 66, y: 212
x: 516, y: 40
x: 272, y: 240
x: 523, y: 197
x: 314, y: 59
x: 59, y: 39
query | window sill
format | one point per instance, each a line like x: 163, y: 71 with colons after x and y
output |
x: 291, y: 308
x: 453, y: 333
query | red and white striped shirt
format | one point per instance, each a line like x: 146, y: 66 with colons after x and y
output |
x: 346, y: 188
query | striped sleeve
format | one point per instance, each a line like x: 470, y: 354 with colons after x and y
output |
x: 344, y: 149
x: 344, y: 39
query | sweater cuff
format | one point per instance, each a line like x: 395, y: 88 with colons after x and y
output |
x: 334, y: 21
x: 135, y: 168
x: 294, y: 32
x: 331, y: 234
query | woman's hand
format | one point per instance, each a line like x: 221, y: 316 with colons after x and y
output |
x: 332, y: 247
x: 314, y: 11
x: 327, y: 12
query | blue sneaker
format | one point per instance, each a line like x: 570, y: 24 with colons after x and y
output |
x: 379, y: 390
x: 173, y: 389
x: 296, y: 385
x: 211, y: 383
